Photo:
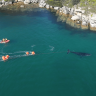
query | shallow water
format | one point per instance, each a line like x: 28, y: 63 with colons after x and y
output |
x: 51, y: 72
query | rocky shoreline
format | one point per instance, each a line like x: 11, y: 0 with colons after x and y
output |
x: 19, y: 6
x: 72, y: 16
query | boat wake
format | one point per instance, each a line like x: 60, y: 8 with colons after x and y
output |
x: 17, y: 54
x: 33, y: 45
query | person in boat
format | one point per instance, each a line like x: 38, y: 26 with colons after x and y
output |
x: 3, y: 39
x: 6, y: 39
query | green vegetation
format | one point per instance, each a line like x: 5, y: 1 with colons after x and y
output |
x: 87, y: 5
x: 60, y: 3
x: 6, y: 0
x: 55, y: 3
x: 70, y: 3
x: 91, y: 15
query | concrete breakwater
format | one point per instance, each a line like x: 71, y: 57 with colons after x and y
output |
x: 72, y: 16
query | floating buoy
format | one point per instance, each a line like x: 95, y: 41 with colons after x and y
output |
x: 33, y: 53
x: 3, y: 58
x: 27, y: 53
x: 7, y: 56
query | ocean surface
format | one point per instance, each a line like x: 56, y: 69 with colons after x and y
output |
x: 51, y: 72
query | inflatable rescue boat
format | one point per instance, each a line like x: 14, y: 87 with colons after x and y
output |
x: 6, y: 41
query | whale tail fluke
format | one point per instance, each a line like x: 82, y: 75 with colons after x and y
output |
x: 68, y: 51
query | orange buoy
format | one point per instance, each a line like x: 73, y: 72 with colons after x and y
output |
x: 33, y: 53
x: 3, y: 58
x: 27, y: 53
x: 7, y: 56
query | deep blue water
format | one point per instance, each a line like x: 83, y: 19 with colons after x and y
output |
x: 51, y: 72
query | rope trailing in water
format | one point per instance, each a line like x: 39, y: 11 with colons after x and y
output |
x: 13, y: 57
x: 50, y: 53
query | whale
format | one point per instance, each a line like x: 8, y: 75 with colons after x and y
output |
x: 79, y: 53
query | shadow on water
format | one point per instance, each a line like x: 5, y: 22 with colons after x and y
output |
x: 37, y: 12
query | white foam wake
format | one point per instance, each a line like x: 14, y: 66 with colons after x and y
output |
x: 15, y: 54
x: 52, y: 48
x: 33, y: 45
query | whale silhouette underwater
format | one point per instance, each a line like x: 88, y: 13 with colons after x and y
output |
x: 81, y: 54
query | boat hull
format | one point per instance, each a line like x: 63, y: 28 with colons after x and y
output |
x: 5, y: 41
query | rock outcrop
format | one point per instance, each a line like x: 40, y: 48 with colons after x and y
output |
x: 42, y: 3
x: 72, y: 16
x: 93, y: 23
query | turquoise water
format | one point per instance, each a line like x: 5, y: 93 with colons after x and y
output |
x: 51, y: 72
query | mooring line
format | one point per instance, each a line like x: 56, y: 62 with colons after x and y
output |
x: 50, y: 53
